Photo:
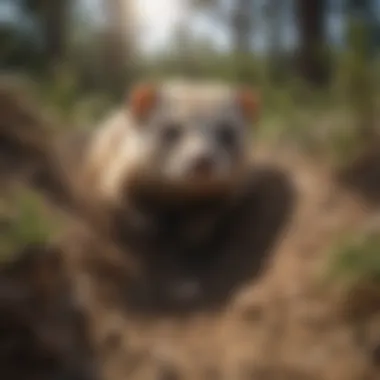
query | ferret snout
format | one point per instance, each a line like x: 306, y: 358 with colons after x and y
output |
x: 203, y: 165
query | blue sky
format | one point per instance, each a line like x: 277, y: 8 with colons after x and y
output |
x: 9, y: 14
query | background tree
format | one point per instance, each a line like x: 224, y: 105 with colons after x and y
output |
x: 53, y: 19
x: 312, y: 60
x: 118, y: 44
x: 275, y: 17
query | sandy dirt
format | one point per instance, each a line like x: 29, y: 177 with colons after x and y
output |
x: 282, y: 325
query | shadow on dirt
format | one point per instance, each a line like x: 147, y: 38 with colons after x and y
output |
x: 182, y: 281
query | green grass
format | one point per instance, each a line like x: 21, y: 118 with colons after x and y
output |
x: 30, y: 221
x: 356, y: 259
x: 63, y: 97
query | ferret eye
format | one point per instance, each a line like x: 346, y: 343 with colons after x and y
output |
x: 171, y: 133
x: 226, y: 135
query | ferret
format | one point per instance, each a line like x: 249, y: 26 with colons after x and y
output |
x: 166, y: 186
x: 188, y: 139
x: 173, y: 169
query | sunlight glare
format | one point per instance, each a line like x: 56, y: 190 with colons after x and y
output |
x: 157, y: 19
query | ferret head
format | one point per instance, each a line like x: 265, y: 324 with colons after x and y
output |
x: 193, y: 136
x: 184, y: 137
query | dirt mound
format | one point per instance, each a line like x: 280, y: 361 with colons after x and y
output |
x: 42, y: 332
x: 42, y: 329
x: 29, y: 154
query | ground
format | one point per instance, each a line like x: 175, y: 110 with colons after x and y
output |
x: 288, y: 324
x: 285, y: 324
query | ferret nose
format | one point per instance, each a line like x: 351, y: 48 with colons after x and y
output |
x: 203, y: 165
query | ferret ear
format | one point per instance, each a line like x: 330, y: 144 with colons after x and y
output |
x: 249, y: 104
x: 143, y: 99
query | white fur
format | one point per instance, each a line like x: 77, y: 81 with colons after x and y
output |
x: 115, y: 149
x: 120, y: 147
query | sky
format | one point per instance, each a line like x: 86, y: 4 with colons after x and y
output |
x: 8, y: 10
x: 158, y: 19
x: 161, y: 16
x: 9, y: 14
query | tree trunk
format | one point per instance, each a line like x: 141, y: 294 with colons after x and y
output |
x: 312, y: 65
x: 275, y: 16
x: 118, y: 44
x: 241, y: 24
x: 54, y: 19
x: 55, y: 27
x: 361, y: 90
